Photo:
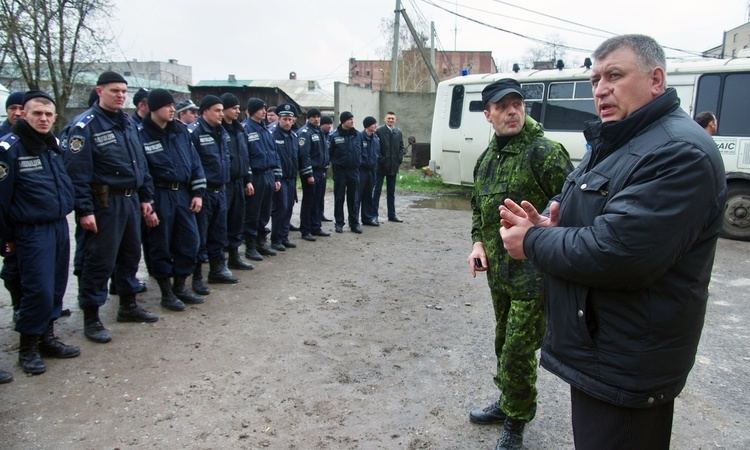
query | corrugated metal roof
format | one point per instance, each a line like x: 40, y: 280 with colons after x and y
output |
x: 298, y: 90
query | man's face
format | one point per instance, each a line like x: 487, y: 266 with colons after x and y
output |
x: 188, y: 116
x: 272, y: 116
x: 259, y: 114
x: 112, y: 95
x: 231, y: 114
x: 506, y: 116
x: 326, y: 127
x: 314, y: 121
x: 214, y: 114
x: 712, y: 127
x: 14, y: 112
x: 348, y: 125
x: 165, y: 113
x: 371, y: 129
x: 41, y: 117
x: 142, y: 108
x: 286, y: 122
x: 621, y: 86
x: 390, y: 120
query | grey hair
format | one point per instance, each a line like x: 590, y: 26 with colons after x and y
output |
x: 649, y: 52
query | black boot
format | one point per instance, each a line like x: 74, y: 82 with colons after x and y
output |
x: 199, y: 286
x: 235, y: 262
x: 183, y: 294
x: 251, y: 252
x: 5, y: 377
x: 168, y: 299
x: 53, y: 347
x: 263, y: 248
x: 511, y: 437
x: 92, y: 326
x: 219, y: 273
x: 129, y: 311
x: 490, y: 415
x: 28, y: 355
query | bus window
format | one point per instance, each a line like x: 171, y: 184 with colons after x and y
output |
x: 457, y: 104
x: 708, y: 94
x: 569, y: 105
x: 534, y: 93
x: 476, y: 106
x: 733, y: 119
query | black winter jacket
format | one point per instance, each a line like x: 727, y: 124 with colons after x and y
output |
x: 628, y: 266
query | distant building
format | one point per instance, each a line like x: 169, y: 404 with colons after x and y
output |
x: 304, y: 94
x: 162, y: 72
x: 734, y: 41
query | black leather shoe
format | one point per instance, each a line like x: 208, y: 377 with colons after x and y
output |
x: 293, y: 228
x: 218, y: 272
x: 181, y: 292
x: 93, y: 328
x: 264, y: 250
x: 339, y: 229
x: 235, y: 262
x: 394, y: 219
x: 168, y: 299
x: 53, y: 347
x: 357, y: 229
x: 289, y: 244
x: 308, y: 237
x: 5, y: 377
x: 134, y: 313
x: 321, y: 233
x: 490, y: 415
x: 371, y: 223
x: 28, y: 355
x: 278, y: 246
x: 511, y: 438
x: 326, y: 219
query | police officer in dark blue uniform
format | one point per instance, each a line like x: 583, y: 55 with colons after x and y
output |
x: 312, y: 144
x: 292, y: 163
x: 346, y: 157
x: 36, y: 195
x: 179, y: 184
x: 212, y: 144
x: 326, y: 123
x: 240, y: 179
x: 113, y: 191
x: 368, y: 172
x: 264, y: 162
x: 140, y: 100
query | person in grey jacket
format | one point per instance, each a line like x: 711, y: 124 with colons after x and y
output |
x: 627, y: 252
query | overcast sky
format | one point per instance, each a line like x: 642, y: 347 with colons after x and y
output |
x: 268, y: 39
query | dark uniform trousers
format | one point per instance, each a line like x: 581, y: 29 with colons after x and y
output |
x: 346, y: 186
x: 235, y: 212
x: 115, y: 248
x: 313, y: 196
x: 283, y: 204
x: 212, y: 225
x: 173, y: 244
x: 368, y: 207
x: 10, y: 275
x: 43, y: 255
x: 390, y: 181
x: 258, y: 206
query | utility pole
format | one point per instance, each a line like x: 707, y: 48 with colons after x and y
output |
x: 420, y: 46
x: 432, y: 51
x: 394, y: 51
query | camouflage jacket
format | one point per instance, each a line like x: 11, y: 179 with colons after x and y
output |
x: 530, y: 167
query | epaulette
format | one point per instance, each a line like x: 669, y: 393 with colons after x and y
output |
x: 7, y: 141
x: 85, y: 120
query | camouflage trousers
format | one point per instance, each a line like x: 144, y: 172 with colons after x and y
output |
x: 519, y: 327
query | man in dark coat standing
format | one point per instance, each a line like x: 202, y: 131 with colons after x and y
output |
x: 391, y: 157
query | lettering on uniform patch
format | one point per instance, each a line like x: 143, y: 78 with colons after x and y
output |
x: 3, y: 171
x: 105, y: 138
x: 280, y: 141
x: 252, y: 137
x: 207, y: 139
x: 364, y: 144
x: 153, y: 147
x: 301, y: 142
x: 76, y: 143
x: 339, y: 140
x: 315, y: 138
x: 29, y: 164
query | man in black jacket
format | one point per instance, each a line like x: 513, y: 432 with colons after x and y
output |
x: 627, y: 251
x: 391, y: 157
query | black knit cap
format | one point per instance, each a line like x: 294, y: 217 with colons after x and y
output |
x: 229, y: 100
x: 344, y: 116
x: 326, y: 120
x: 313, y: 112
x: 254, y: 104
x: 208, y: 101
x: 15, y: 98
x: 140, y: 95
x: 369, y: 120
x: 159, y: 98
x: 29, y: 95
x: 110, y: 77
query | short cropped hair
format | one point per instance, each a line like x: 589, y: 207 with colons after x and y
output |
x: 705, y: 118
x: 649, y: 52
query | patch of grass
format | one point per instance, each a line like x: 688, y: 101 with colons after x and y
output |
x: 414, y: 180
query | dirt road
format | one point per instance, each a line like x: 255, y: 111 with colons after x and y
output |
x: 372, y: 341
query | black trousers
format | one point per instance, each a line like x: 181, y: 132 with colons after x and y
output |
x: 599, y: 425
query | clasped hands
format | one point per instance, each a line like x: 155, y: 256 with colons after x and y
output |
x: 515, y: 221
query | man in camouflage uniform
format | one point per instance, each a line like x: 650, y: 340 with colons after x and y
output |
x: 519, y: 163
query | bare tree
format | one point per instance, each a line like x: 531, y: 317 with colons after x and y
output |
x: 413, y: 75
x: 45, y: 40
x: 546, y: 52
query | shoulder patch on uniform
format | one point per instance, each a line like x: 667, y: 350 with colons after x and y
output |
x: 75, y: 144
x: 301, y: 141
x: 3, y: 171
x: 85, y: 120
x: 7, y: 141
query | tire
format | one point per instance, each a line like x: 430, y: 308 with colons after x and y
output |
x: 736, y: 222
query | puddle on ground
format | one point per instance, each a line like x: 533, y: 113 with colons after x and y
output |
x: 451, y: 202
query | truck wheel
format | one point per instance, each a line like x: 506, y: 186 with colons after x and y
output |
x: 736, y: 224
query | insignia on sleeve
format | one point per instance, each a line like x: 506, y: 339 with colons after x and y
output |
x: 76, y: 143
x: 301, y: 141
x: 3, y: 171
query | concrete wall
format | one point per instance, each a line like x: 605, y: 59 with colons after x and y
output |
x: 359, y: 101
x: 413, y: 111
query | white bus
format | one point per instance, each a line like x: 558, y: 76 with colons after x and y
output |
x: 561, y: 100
